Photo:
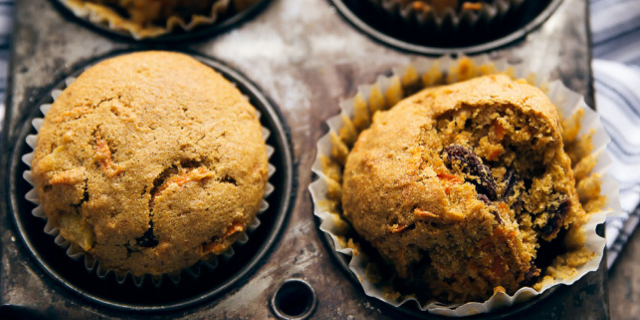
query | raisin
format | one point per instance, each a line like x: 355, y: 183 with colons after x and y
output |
x: 484, y: 199
x: 531, y: 274
x: 472, y: 165
x: 148, y: 240
x: 512, y: 179
x: 555, y: 222
x: 518, y: 205
x: 497, y: 216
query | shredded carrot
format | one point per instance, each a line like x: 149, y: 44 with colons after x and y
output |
x: 450, y: 177
x: 193, y: 175
x: 423, y: 214
x: 213, y: 247
x: 474, y: 6
x: 217, y: 245
x: 499, y: 130
x: 234, y: 228
x: 103, y: 157
x: 497, y: 266
x: 493, y: 156
x: 397, y: 228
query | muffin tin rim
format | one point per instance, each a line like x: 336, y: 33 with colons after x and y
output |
x: 273, y: 121
x: 360, y: 25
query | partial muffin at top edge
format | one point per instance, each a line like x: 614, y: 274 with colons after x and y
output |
x: 459, y: 186
x: 153, y: 18
x: 440, y: 6
x: 150, y: 162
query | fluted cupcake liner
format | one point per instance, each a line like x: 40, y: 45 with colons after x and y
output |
x: 413, y: 14
x: 94, y: 266
x: 102, y: 15
x: 355, y: 116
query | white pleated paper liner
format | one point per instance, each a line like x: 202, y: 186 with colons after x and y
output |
x: 104, y: 16
x: 426, y: 72
x: 94, y: 266
x: 451, y: 19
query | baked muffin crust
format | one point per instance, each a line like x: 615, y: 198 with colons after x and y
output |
x: 150, y: 162
x: 458, y: 187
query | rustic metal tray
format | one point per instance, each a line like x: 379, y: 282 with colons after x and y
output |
x: 305, y: 57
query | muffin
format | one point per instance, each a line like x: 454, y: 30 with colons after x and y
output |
x: 150, y: 162
x: 446, y: 22
x: 440, y: 6
x: 150, y: 18
x: 462, y: 187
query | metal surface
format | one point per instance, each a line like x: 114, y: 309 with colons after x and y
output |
x: 305, y: 57
x: 379, y: 28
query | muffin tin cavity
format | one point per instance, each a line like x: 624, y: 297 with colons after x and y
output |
x: 230, y: 19
x: 394, y: 32
x: 168, y: 295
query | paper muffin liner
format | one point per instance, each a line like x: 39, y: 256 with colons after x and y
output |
x: 104, y: 16
x: 468, y: 21
x: 356, y: 112
x: 91, y: 264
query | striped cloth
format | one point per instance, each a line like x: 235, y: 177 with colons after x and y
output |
x: 6, y: 9
x: 615, y: 26
x: 616, y: 46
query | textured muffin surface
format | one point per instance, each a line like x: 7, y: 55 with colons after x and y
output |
x: 150, y: 162
x: 461, y: 187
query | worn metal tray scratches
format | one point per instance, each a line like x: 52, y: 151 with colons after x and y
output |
x: 305, y: 57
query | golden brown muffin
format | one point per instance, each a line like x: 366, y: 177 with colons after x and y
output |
x: 460, y: 187
x: 150, y: 162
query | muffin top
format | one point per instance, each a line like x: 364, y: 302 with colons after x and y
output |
x: 150, y: 162
x: 460, y: 187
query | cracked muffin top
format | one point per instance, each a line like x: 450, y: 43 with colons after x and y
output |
x: 150, y: 162
x: 464, y: 189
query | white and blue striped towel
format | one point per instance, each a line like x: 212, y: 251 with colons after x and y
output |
x: 616, y: 46
x: 615, y: 26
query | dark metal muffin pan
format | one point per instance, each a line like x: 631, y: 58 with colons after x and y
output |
x: 108, y: 292
x: 305, y: 57
x: 378, y: 26
x: 227, y: 21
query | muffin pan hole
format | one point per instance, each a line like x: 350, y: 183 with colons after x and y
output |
x: 379, y: 26
x: 295, y: 299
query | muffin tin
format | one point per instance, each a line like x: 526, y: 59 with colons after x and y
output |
x: 304, y: 57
